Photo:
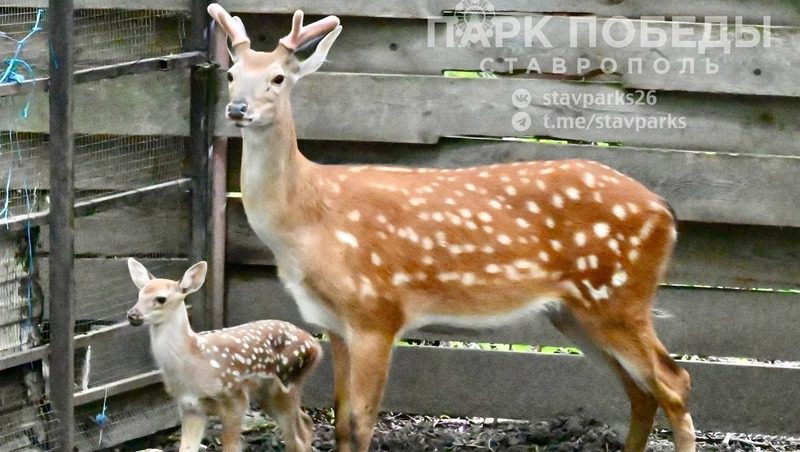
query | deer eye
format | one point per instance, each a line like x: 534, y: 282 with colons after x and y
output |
x: 278, y: 79
x: 161, y: 300
x: 230, y: 77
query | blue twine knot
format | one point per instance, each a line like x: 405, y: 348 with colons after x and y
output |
x: 101, y: 419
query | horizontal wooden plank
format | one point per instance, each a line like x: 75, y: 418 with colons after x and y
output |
x: 751, y: 11
x: 420, y: 109
x: 370, y: 45
x: 703, y: 187
x: 135, y: 414
x: 102, y: 162
x: 717, y: 255
x: 366, y: 107
x: 704, y: 322
x: 103, y: 286
x: 156, y: 223
x: 128, y: 105
x: 431, y: 380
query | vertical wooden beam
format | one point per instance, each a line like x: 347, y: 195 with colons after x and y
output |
x: 219, y: 190
x: 199, y: 146
x: 62, y: 200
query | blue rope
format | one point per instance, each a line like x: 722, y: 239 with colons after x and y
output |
x: 10, y: 74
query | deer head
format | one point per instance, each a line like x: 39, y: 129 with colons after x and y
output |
x: 259, y: 82
x: 158, y: 298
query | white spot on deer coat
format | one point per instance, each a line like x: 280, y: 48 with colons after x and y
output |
x: 376, y: 260
x: 532, y: 206
x: 400, y: 278
x: 618, y: 211
x: 580, y: 238
x: 347, y: 238
x: 354, y: 215
x: 573, y: 193
x: 601, y: 229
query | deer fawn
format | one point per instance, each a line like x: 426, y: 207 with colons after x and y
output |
x: 216, y: 372
x: 369, y: 252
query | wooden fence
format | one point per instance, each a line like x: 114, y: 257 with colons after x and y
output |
x: 384, y: 96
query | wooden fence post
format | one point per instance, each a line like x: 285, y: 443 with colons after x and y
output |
x: 62, y: 224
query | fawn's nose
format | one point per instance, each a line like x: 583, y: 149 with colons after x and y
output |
x: 135, y: 317
x: 236, y: 110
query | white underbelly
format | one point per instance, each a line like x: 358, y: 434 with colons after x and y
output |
x: 528, y: 311
x: 312, y: 308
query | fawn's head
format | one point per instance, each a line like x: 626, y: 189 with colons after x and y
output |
x: 158, y: 298
x: 259, y: 81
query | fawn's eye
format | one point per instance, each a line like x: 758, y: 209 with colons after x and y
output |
x: 230, y: 77
x: 278, y: 79
x: 161, y: 300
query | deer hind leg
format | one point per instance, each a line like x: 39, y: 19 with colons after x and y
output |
x: 341, y: 378
x: 231, y: 412
x: 370, y: 357
x: 284, y: 407
x: 643, y: 404
x: 651, y: 378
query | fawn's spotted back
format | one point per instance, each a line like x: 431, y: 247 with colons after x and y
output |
x: 259, y: 350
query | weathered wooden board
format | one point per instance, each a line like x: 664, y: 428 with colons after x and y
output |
x: 751, y: 11
x: 121, y: 356
x: 706, y: 322
x: 23, y: 421
x: 156, y: 224
x: 129, y: 105
x: 431, y: 380
x: 707, y: 254
x: 132, y: 415
x: 103, y: 286
x: 420, y: 109
x: 703, y: 187
x: 103, y: 162
x: 370, y: 45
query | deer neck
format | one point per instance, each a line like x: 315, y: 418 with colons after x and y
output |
x: 275, y: 178
x: 172, y: 338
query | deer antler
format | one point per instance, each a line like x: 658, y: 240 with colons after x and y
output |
x: 232, y: 25
x: 302, y: 34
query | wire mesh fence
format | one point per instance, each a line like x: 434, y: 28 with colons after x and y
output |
x: 154, y: 227
x: 102, y: 37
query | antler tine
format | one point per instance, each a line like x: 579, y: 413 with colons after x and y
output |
x: 301, y: 34
x: 233, y: 26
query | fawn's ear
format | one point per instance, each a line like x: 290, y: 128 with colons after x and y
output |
x: 194, y: 278
x: 139, y: 274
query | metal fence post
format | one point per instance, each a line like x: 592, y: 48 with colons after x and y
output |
x: 62, y: 200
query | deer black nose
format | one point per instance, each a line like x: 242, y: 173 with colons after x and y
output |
x: 236, y: 110
x: 135, y: 317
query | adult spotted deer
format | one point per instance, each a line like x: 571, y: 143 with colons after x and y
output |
x: 217, y: 372
x: 369, y: 252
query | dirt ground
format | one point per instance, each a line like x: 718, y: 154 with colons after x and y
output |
x: 403, y: 432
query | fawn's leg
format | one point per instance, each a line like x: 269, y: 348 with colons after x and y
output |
x: 231, y: 412
x: 284, y: 407
x: 193, y: 424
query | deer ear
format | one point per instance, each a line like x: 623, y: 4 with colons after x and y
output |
x: 314, y: 62
x: 194, y: 278
x: 139, y: 274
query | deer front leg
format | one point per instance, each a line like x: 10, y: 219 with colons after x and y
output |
x: 370, y: 356
x: 341, y: 379
x: 231, y: 412
x: 193, y: 424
